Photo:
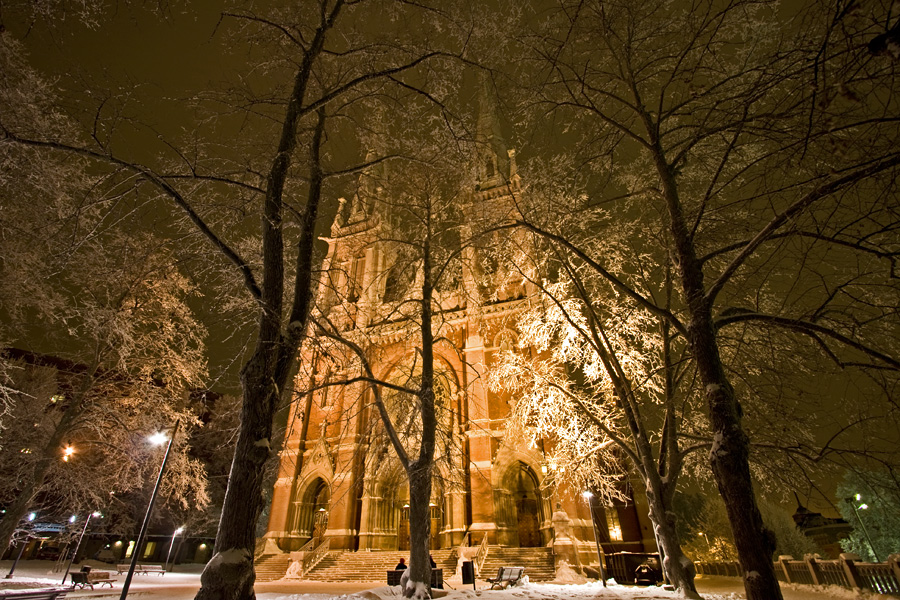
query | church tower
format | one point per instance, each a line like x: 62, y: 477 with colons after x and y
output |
x: 339, y: 484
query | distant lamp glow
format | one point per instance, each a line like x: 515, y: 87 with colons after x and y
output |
x: 856, y: 508
x: 171, y: 546
x: 587, y: 494
x: 73, y: 518
x: 32, y: 516
x: 203, y: 546
x: 68, y: 451
x: 159, y: 438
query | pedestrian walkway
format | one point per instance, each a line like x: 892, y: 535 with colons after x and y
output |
x: 185, y: 581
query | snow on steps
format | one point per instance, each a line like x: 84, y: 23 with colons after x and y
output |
x: 372, y: 566
x: 272, y: 566
x: 538, y: 562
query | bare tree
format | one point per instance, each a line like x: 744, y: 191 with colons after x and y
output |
x: 391, y: 325
x: 607, y: 384
x: 710, y: 122
x: 78, y: 427
x: 322, y: 66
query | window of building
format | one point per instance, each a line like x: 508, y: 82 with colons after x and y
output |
x: 615, y: 528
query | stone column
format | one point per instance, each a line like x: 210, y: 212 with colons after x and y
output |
x: 564, y: 545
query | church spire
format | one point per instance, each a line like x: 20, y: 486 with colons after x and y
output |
x: 496, y: 161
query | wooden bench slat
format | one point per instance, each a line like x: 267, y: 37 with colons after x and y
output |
x: 506, y: 576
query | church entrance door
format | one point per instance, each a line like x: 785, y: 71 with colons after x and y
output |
x: 529, y: 528
x: 523, y: 513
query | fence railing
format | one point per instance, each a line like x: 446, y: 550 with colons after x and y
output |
x: 309, y: 546
x: 847, y: 571
x: 313, y: 558
x: 454, y: 552
x: 482, y: 554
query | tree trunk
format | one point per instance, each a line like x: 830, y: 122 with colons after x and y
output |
x: 16, y: 511
x: 419, y: 532
x: 678, y: 568
x: 730, y: 453
x: 230, y: 574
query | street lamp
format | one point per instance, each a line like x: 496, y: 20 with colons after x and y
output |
x: 157, y: 438
x: 587, y: 496
x: 78, y: 545
x: 31, y: 517
x: 852, y: 502
x: 172, y: 545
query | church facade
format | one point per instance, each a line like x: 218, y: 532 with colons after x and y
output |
x: 339, y: 480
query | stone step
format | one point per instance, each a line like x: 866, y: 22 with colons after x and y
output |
x: 272, y: 567
x: 372, y: 566
x: 538, y: 562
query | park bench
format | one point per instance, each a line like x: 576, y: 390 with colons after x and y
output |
x: 123, y: 568
x: 506, y: 576
x: 86, y: 578
x: 39, y: 594
x: 437, y: 577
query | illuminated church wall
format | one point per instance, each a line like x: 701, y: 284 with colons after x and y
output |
x: 339, y: 478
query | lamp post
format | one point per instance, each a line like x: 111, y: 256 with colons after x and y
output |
x: 172, y: 545
x: 587, y: 496
x: 705, y: 537
x: 78, y: 545
x: 853, y: 502
x: 158, y: 438
x: 31, y: 517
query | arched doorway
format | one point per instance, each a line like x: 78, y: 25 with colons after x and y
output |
x: 524, y: 492
x: 320, y: 511
x: 312, y: 510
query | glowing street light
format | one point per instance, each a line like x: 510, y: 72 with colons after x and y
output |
x: 157, y: 439
x: 68, y: 451
x: 72, y: 519
x: 172, y: 545
x: 31, y: 517
x: 853, y: 502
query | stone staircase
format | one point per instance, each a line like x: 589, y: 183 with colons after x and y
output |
x: 272, y: 566
x: 538, y: 562
x: 372, y: 566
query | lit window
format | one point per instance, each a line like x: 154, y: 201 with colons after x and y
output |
x: 615, y: 528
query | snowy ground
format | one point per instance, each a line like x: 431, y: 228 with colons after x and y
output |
x: 586, y: 591
x: 183, y: 584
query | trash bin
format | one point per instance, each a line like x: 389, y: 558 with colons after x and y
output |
x: 468, y: 572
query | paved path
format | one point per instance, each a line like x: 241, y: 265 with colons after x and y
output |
x: 182, y: 585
